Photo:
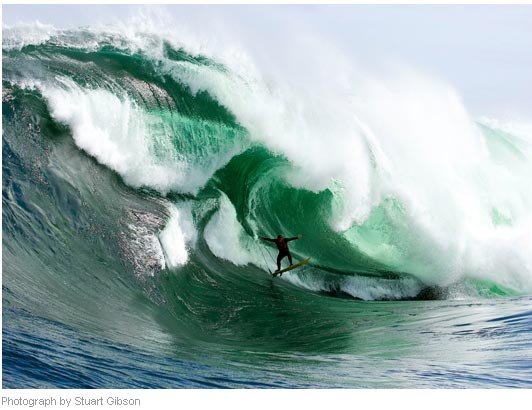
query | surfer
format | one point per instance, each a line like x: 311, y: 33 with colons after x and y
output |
x: 282, y: 245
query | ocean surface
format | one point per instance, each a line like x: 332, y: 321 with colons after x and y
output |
x: 139, y: 170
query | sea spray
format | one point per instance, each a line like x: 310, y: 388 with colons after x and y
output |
x: 178, y: 236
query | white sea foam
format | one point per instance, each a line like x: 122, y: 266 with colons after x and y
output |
x: 360, y: 287
x: 131, y: 141
x: 178, y: 236
x: 517, y: 127
x: 144, y: 250
x: 114, y: 131
x: 20, y: 35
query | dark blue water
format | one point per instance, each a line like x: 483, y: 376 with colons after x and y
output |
x: 438, y: 352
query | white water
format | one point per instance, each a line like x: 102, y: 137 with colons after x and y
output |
x: 178, y: 236
x: 365, y: 288
x: 138, y: 144
x: 114, y: 131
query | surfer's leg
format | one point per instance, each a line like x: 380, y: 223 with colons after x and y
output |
x: 290, y: 258
x: 279, y: 257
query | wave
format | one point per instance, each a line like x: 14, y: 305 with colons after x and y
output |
x: 395, y: 188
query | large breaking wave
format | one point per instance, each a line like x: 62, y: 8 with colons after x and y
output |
x: 397, y: 191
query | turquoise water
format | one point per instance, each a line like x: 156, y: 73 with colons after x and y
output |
x: 136, y: 180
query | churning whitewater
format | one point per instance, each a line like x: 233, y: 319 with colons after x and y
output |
x: 140, y: 169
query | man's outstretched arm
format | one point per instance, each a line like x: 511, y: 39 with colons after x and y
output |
x: 267, y: 239
x: 295, y: 237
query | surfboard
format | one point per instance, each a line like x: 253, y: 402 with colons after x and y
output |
x: 294, y: 266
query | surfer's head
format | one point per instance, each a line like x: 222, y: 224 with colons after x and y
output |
x: 279, y: 236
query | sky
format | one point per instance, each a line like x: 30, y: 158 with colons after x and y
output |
x: 483, y: 51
